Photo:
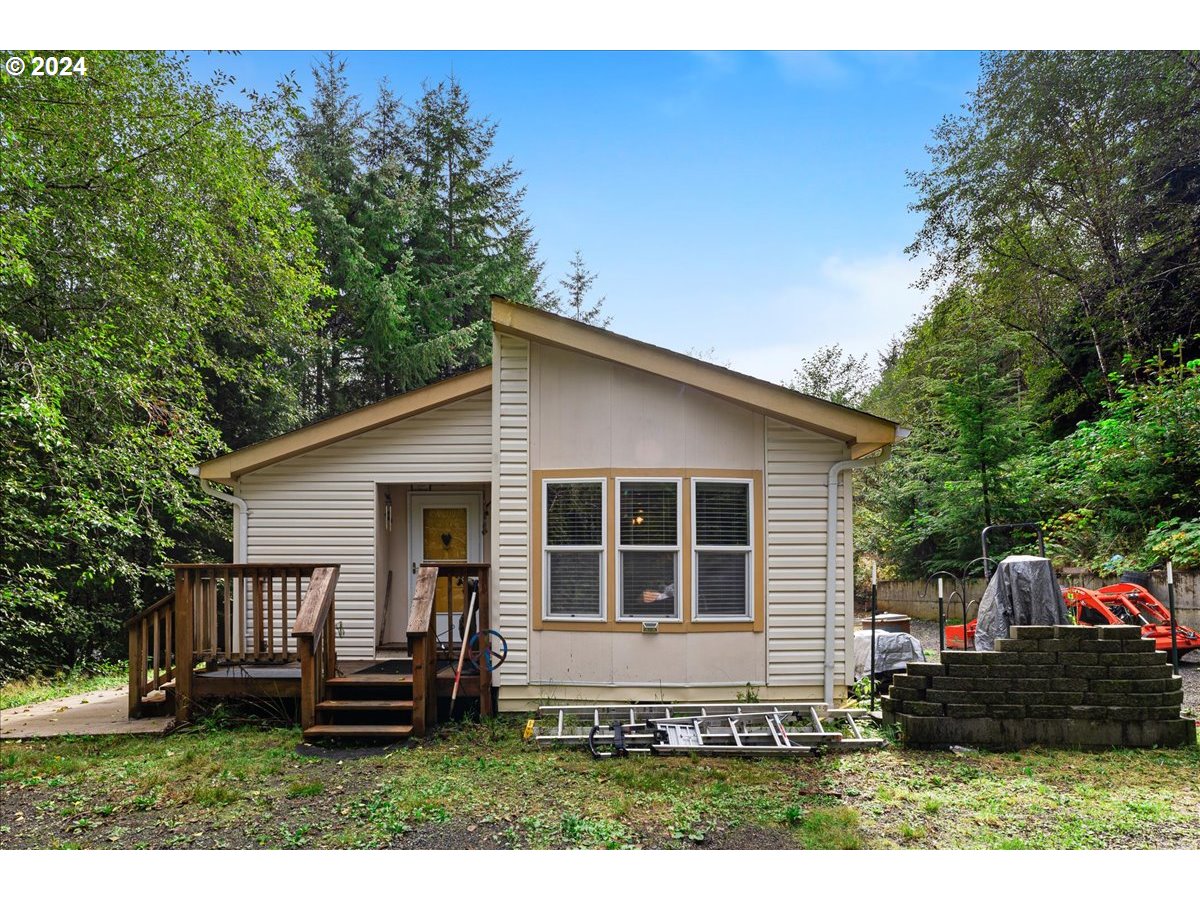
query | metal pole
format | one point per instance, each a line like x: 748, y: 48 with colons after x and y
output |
x: 1171, y: 609
x: 941, y: 618
x: 963, y: 595
x: 874, y: 607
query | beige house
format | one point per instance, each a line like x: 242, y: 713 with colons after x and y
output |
x: 655, y: 526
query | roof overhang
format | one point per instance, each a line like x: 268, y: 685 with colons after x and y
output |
x: 228, y: 468
x: 862, y: 432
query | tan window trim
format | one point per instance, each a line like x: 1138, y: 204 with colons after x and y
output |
x: 536, y: 592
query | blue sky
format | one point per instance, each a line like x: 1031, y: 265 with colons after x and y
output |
x: 749, y: 204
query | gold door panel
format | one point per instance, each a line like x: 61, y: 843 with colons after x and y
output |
x: 444, y: 536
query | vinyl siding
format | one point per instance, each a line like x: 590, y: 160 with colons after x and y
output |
x: 320, y: 506
x: 588, y: 413
x: 797, y: 469
x: 510, y: 481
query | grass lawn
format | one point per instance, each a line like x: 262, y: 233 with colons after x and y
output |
x: 480, y: 786
x: 25, y: 691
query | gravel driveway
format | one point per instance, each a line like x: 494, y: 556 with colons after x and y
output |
x: 926, y: 633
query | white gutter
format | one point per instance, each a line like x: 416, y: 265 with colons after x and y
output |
x: 831, y: 522
x: 240, y: 542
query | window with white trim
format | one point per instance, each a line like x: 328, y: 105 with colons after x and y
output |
x: 574, y: 548
x: 648, y: 548
x: 722, y: 542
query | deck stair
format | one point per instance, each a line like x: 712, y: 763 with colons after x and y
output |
x: 374, y: 704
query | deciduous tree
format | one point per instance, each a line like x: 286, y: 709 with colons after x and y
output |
x: 151, y: 259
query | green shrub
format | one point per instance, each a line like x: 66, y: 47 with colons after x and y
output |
x: 1174, y: 540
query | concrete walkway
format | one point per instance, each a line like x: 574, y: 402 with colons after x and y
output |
x: 96, y: 712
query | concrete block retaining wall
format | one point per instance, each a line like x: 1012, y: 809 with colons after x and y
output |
x: 905, y: 596
x: 1062, y: 685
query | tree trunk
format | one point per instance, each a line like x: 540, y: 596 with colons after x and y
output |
x: 1103, y: 363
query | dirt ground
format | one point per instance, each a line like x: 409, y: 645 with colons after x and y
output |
x: 233, y: 782
x: 224, y: 785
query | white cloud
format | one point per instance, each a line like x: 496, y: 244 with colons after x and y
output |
x: 860, y: 303
x: 811, y: 66
x: 722, y: 61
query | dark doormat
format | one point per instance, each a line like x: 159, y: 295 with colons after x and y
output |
x: 388, y: 667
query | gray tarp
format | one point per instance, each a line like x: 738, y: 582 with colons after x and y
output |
x: 1023, y: 591
x: 893, y: 651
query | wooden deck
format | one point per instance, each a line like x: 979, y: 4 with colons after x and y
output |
x: 228, y: 632
x: 284, y: 680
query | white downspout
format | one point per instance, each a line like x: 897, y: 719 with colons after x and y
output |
x: 831, y: 523
x: 241, y: 540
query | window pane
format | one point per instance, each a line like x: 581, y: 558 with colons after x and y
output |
x: 574, y: 579
x: 721, y: 584
x: 722, y: 513
x: 648, y: 587
x: 574, y: 516
x: 649, y: 513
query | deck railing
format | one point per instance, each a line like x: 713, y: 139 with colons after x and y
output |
x: 425, y: 644
x: 151, y: 651
x: 243, y: 612
x: 316, y: 640
x: 459, y: 575
x: 279, y: 613
x: 219, y: 614
x: 422, y: 647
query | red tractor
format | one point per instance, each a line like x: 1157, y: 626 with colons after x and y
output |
x: 1129, y: 604
x: 1115, y: 604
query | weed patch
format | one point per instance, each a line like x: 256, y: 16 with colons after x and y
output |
x: 211, y: 796
x: 305, y: 788
x: 478, y: 784
x: 833, y: 828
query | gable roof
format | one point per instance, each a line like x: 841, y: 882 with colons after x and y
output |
x: 228, y: 468
x: 864, y: 432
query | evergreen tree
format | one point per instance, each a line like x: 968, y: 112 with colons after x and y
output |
x: 349, y: 187
x: 576, y: 286
x: 471, y: 237
x: 416, y: 227
x: 957, y: 386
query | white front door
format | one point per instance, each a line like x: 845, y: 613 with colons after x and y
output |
x: 443, y: 527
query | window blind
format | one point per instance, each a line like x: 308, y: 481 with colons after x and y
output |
x: 574, y: 579
x: 721, y: 583
x: 649, y: 518
x: 722, y: 540
x: 650, y: 513
x: 722, y: 514
x: 574, y: 548
x: 574, y: 514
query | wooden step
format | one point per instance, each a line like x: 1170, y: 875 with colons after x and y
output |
x: 368, y: 680
x: 365, y: 705
x: 392, y: 732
